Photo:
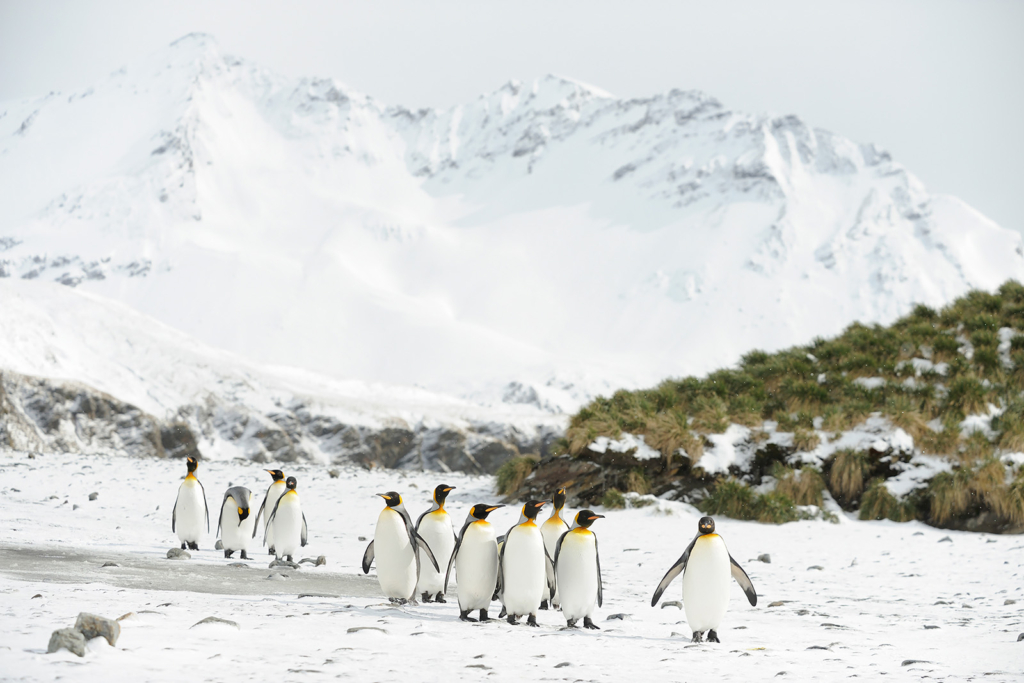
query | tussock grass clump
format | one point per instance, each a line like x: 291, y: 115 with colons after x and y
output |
x: 967, y: 491
x: 805, y: 439
x: 879, y: 503
x: 669, y: 432
x: 1011, y: 503
x: 636, y: 482
x: 513, y: 473
x: 803, y: 486
x: 942, y: 442
x: 846, y: 474
x: 1010, y: 426
x: 775, y: 508
x: 974, y: 448
x: 966, y: 396
x: 730, y: 498
x: 613, y: 499
x: 712, y: 415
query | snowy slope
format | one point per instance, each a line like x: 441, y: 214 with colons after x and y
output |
x: 870, y: 600
x: 234, y: 407
x: 543, y: 231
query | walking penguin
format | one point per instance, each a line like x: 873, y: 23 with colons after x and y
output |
x: 190, y: 509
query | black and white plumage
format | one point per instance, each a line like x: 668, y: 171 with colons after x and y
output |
x: 395, y: 547
x: 288, y: 523
x: 235, y: 522
x: 190, y: 513
x: 274, y: 491
x: 475, y: 560
x: 578, y: 571
x: 707, y: 568
x: 435, y: 528
x: 552, y: 529
x: 524, y: 567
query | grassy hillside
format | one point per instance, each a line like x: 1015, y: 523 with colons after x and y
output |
x: 925, y: 373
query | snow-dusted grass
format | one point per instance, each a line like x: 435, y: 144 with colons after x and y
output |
x: 857, y: 598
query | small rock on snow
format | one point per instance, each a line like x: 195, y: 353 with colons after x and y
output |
x: 356, y: 629
x: 215, y: 620
x: 333, y: 473
x: 908, y: 662
x: 562, y: 664
x: 766, y: 558
x: 1020, y: 637
x: 672, y: 603
x: 283, y: 563
x: 620, y: 616
x: 178, y: 554
x: 362, y: 538
x: 777, y: 603
x: 93, y: 626
x: 37, y: 595
x: 1009, y: 602
x: 929, y: 627
x: 219, y: 545
x: 94, y: 495
x: 69, y: 639
x: 110, y: 564
x: 75, y: 506
x: 816, y: 566
x: 945, y: 539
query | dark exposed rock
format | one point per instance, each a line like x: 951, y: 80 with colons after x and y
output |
x: 93, y: 495
x: 178, y: 441
x: 93, y: 626
x: 69, y: 639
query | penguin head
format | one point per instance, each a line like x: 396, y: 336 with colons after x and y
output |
x: 532, y: 508
x: 290, y: 483
x: 243, y: 512
x: 559, y: 499
x: 391, y: 498
x: 276, y: 475
x: 191, y: 463
x: 441, y: 492
x: 585, y: 518
x: 481, y: 510
x: 706, y: 525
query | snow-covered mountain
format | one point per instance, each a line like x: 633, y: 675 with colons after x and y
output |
x: 544, y: 230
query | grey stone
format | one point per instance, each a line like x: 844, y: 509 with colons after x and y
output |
x: 908, y: 662
x: 561, y: 665
x: 672, y: 603
x: 766, y: 558
x: 283, y: 563
x: 74, y: 507
x: 93, y: 495
x: 818, y: 567
x: 178, y: 554
x: 362, y: 539
x: 37, y: 595
x: 945, y: 539
x: 1008, y: 601
x: 929, y: 627
x: 215, y: 620
x: 619, y: 616
x: 219, y: 545
x: 277, y: 576
x: 333, y: 474
x: 1020, y: 637
x: 356, y: 629
x: 93, y: 626
x: 69, y: 639
x: 777, y: 603
x: 110, y: 564
x: 316, y: 563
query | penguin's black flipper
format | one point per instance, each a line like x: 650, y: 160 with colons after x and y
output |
x: 451, y: 560
x: 744, y: 581
x: 305, y: 531
x: 549, y: 572
x: 368, y: 558
x: 421, y: 543
x: 600, y: 584
x: 256, y: 522
x: 174, y: 512
x: 205, y: 505
x: 675, y: 570
x: 221, y: 515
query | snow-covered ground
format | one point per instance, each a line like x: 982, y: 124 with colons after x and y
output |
x: 871, y: 600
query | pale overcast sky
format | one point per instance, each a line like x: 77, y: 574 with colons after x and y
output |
x: 939, y: 83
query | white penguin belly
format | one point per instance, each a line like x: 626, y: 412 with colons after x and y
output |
x: 552, y: 530
x: 436, y: 530
x: 706, y: 583
x: 476, y: 567
x: 576, y: 575
x: 523, y: 571
x: 287, y: 526
x: 236, y: 536
x: 273, y: 493
x: 190, y: 512
x: 396, y: 563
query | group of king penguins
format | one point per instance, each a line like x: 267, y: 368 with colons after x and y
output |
x: 284, y: 524
x: 533, y: 565
x: 527, y: 569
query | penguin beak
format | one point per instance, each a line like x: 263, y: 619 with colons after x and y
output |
x: 596, y: 517
x: 492, y: 509
x: 450, y: 488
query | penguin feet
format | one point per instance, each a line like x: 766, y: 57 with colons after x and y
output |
x: 512, y: 619
x: 228, y: 554
x: 193, y: 546
x: 244, y: 556
x: 543, y: 604
x: 184, y: 546
x: 483, y: 615
x: 503, y: 613
x: 588, y: 623
x: 289, y: 558
x: 532, y: 621
x: 571, y: 623
x: 713, y: 637
x: 271, y: 552
x: 464, y: 615
x: 698, y: 637
x: 440, y: 598
x: 392, y: 600
x: 427, y: 598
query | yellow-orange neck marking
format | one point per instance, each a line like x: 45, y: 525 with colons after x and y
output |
x: 528, y: 522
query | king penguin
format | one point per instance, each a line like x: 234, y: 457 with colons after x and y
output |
x: 275, y: 491
x: 288, y: 523
x: 475, y: 559
x: 236, y: 521
x: 395, y: 546
x: 578, y: 571
x: 706, y: 566
x: 524, y: 567
x: 435, y: 528
x: 552, y: 529
x: 190, y: 509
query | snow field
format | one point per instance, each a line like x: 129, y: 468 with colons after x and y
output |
x: 857, y: 598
